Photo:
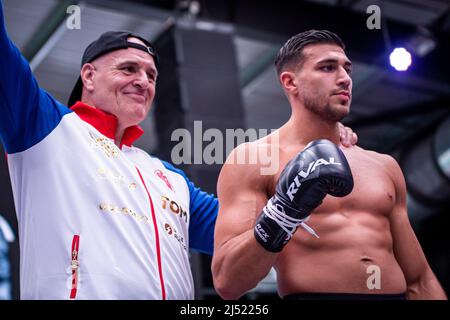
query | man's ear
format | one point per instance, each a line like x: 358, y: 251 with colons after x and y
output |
x: 288, y: 82
x: 87, y: 76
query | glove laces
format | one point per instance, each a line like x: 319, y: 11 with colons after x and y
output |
x: 287, y: 223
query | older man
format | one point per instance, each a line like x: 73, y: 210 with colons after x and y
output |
x: 98, y: 218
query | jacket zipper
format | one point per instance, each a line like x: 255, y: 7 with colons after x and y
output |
x: 74, y: 265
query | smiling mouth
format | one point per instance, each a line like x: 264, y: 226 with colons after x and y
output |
x: 136, y: 96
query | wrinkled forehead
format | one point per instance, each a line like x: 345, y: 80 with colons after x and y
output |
x: 130, y: 55
x: 316, y: 53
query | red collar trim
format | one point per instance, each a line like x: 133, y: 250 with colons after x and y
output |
x: 106, y: 123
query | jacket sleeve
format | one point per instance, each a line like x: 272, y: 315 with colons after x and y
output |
x: 203, y: 209
x: 27, y: 113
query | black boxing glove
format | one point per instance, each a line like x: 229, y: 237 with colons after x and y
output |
x: 320, y: 169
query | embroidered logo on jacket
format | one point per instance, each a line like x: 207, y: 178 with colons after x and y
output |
x: 171, y: 231
x: 163, y: 177
x: 115, y: 178
x: 173, y: 207
x: 108, y: 207
x: 108, y: 147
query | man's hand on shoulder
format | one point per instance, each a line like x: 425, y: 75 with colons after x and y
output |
x: 347, y: 136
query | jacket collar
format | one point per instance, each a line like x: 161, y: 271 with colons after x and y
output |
x: 106, y: 123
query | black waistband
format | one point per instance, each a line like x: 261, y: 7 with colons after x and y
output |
x: 343, y: 296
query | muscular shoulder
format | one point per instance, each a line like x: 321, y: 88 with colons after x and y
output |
x: 389, y: 165
x: 386, y: 160
x: 246, y: 166
x: 247, y: 157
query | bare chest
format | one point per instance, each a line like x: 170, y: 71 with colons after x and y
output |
x: 373, y: 190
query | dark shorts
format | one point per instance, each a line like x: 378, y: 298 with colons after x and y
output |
x: 343, y: 296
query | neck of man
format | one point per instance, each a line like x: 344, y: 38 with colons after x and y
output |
x: 119, y: 135
x: 305, y: 126
x: 120, y: 127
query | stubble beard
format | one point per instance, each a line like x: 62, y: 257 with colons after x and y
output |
x: 324, y: 110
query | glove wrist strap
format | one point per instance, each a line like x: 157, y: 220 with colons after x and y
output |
x: 274, y: 228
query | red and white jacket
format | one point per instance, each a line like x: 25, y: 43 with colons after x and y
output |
x: 95, y: 221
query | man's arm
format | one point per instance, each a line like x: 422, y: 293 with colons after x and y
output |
x: 28, y: 113
x: 203, y: 209
x: 239, y: 261
x: 420, y: 279
x: 252, y: 229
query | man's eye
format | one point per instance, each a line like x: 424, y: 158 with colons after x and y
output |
x: 128, y: 69
x: 326, y: 68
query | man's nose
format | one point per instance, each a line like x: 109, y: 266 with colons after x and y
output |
x: 141, y: 80
x: 344, y: 79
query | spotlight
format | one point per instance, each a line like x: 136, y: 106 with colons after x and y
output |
x: 400, y: 59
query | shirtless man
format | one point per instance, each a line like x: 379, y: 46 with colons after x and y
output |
x: 362, y: 233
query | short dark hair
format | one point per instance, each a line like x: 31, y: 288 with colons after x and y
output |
x: 291, y: 52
